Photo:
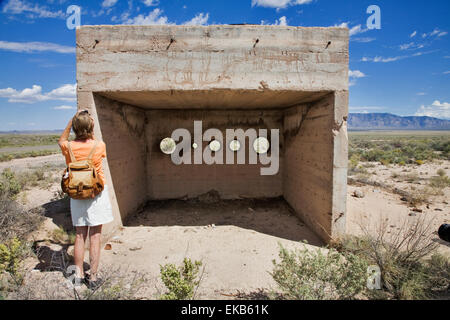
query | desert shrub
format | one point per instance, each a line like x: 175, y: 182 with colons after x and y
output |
x: 180, y: 281
x: 15, y: 221
x: 62, y: 236
x: 9, y: 184
x: 410, y: 267
x: 314, y: 275
x: 354, y: 161
x: 12, y: 253
x: 392, y: 149
x: 440, y: 181
x: 22, y: 140
x: 118, y: 284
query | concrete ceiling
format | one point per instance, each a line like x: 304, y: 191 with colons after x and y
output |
x: 214, y: 99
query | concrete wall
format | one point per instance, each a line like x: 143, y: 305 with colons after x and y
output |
x: 240, y: 71
x: 168, y: 181
x: 315, y: 161
x: 123, y: 131
x: 153, y: 58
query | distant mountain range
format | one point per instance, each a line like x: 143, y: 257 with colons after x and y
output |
x: 356, y: 122
x: 388, y: 121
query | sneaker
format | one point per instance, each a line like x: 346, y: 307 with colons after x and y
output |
x: 92, y: 285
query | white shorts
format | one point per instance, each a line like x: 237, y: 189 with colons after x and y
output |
x: 92, y: 212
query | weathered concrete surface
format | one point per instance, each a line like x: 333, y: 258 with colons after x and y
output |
x: 154, y: 58
x: 169, y: 181
x: 141, y: 82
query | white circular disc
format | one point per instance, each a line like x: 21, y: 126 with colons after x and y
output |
x: 235, y: 145
x: 214, y: 145
x: 167, y: 145
x: 261, y: 145
x: 194, y: 145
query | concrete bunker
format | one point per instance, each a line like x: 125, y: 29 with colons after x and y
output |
x: 143, y: 82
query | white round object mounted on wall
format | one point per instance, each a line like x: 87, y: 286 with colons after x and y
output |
x: 235, y: 145
x: 167, y: 145
x: 194, y: 145
x: 261, y: 145
x: 214, y: 145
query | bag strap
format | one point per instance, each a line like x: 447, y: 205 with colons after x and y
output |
x: 93, y: 150
x: 72, y: 156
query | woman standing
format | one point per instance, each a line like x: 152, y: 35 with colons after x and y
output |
x: 88, y: 215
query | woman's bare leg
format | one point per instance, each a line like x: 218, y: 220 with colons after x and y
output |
x: 81, y: 234
x: 95, y: 234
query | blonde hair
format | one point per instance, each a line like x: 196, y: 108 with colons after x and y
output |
x: 83, y: 126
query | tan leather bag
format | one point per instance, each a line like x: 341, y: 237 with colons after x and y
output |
x: 80, y: 180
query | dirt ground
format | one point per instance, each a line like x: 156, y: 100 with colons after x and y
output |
x: 235, y: 240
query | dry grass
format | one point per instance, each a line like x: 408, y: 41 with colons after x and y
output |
x: 410, y: 266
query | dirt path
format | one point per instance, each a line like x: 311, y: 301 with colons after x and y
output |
x: 31, y: 163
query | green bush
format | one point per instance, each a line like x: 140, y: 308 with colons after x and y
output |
x: 399, y: 149
x: 12, y: 254
x: 313, y: 275
x: 9, y: 184
x: 180, y: 281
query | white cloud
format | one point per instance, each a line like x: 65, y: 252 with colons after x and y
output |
x: 357, y: 29
x: 66, y: 92
x: 278, y: 4
x: 353, y: 30
x: 411, y: 46
x: 200, y: 19
x: 436, y: 32
x: 363, y: 40
x: 421, y: 93
x: 278, y: 22
x: 446, y: 72
x: 64, y: 107
x: 153, y: 18
x: 35, y: 47
x: 413, y: 34
x: 156, y: 17
x: 33, y: 10
x: 381, y: 59
x: 150, y: 3
x: 108, y: 3
x: 392, y: 59
x: 355, y: 74
x: 436, y: 109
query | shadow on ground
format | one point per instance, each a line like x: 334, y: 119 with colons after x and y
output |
x: 271, y: 216
x: 59, y: 212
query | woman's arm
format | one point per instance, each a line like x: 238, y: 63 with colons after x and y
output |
x: 65, y: 135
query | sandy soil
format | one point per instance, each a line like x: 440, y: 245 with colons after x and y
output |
x: 235, y: 240
x: 380, y: 205
x: 32, y: 163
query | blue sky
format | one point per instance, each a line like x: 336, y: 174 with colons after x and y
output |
x: 402, y: 68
